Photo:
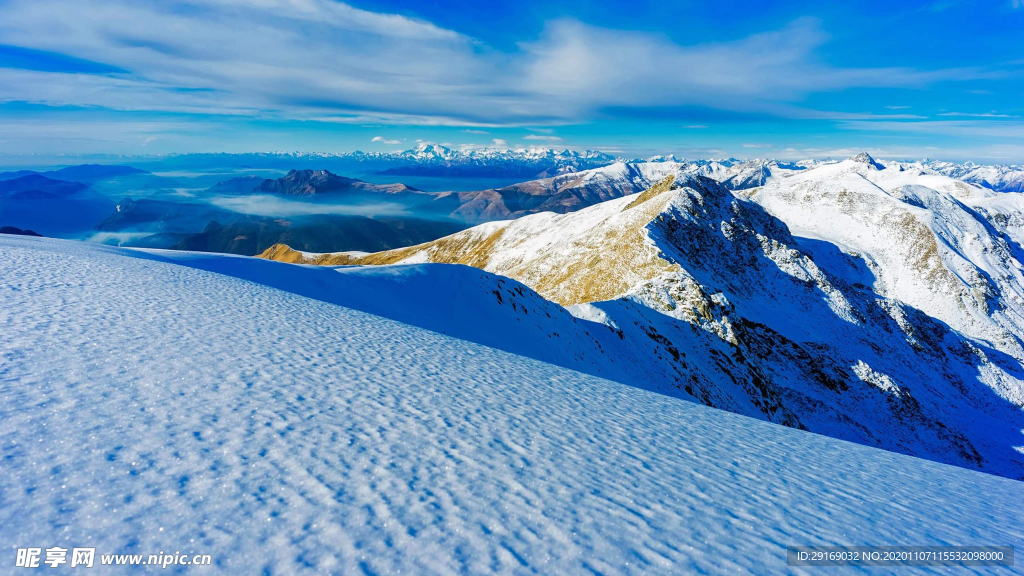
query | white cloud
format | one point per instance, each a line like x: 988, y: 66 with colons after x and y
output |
x: 757, y: 145
x: 981, y: 115
x: 987, y: 153
x: 542, y: 138
x: 476, y: 131
x: 897, y: 107
x: 384, y: 140
x: 958, y: 128
x: 499, y: 142
x: 387, y: 118
x: 578, y: 68
x: 325, y: 60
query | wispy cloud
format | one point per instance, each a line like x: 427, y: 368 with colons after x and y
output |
x: 265, y: 205
x: 958, y: 128
x: 383, y: 140
x: 542, y: 138
x: 499, y: 142
x: 942, y: 6
x: 756, y: 145
x: 897, y: 107
x: 280, y: 59
x: 574, y: 65
x: 476, y: 131
x: 980, y: 115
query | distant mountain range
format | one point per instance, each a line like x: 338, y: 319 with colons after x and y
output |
x: 435, y: 160
x: 423, y: 160
x: 81, y: 173
x: 78, y: 201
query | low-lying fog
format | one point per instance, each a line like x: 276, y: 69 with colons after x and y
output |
x: 277, y: 206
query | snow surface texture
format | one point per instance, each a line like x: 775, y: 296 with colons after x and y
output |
x: 149, y: 406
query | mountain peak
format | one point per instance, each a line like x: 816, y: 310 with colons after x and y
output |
x: 432, y: 150
x: 865, y: 158
x: 306, y: 183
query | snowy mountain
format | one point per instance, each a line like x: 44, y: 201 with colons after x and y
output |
x: 881, y: 306
x: 736, y: 175
x: 437, y: 160
x: 564, y: 193
x: 923, y: 237
x: 1002, y: 178
x: 264, y: 414
x: 426, y: 159
x: 575, y: 190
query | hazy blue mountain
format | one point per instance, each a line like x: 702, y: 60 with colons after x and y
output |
x: 37, y: 186
x: 17, y: 231
x: 52, y: 207
x: 321, y: 233
x: 82, y: 173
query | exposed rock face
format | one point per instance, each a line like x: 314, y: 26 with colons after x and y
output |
x: 576, y: 190
x: 313, y: 182
x: 867, y: 160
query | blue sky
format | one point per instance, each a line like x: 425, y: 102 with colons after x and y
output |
x: 787, y: 79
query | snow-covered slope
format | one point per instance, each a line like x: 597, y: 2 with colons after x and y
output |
x: 708, y: 296
x: 921, y: 239
x: 741, y: 175
x: 151, y: 405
